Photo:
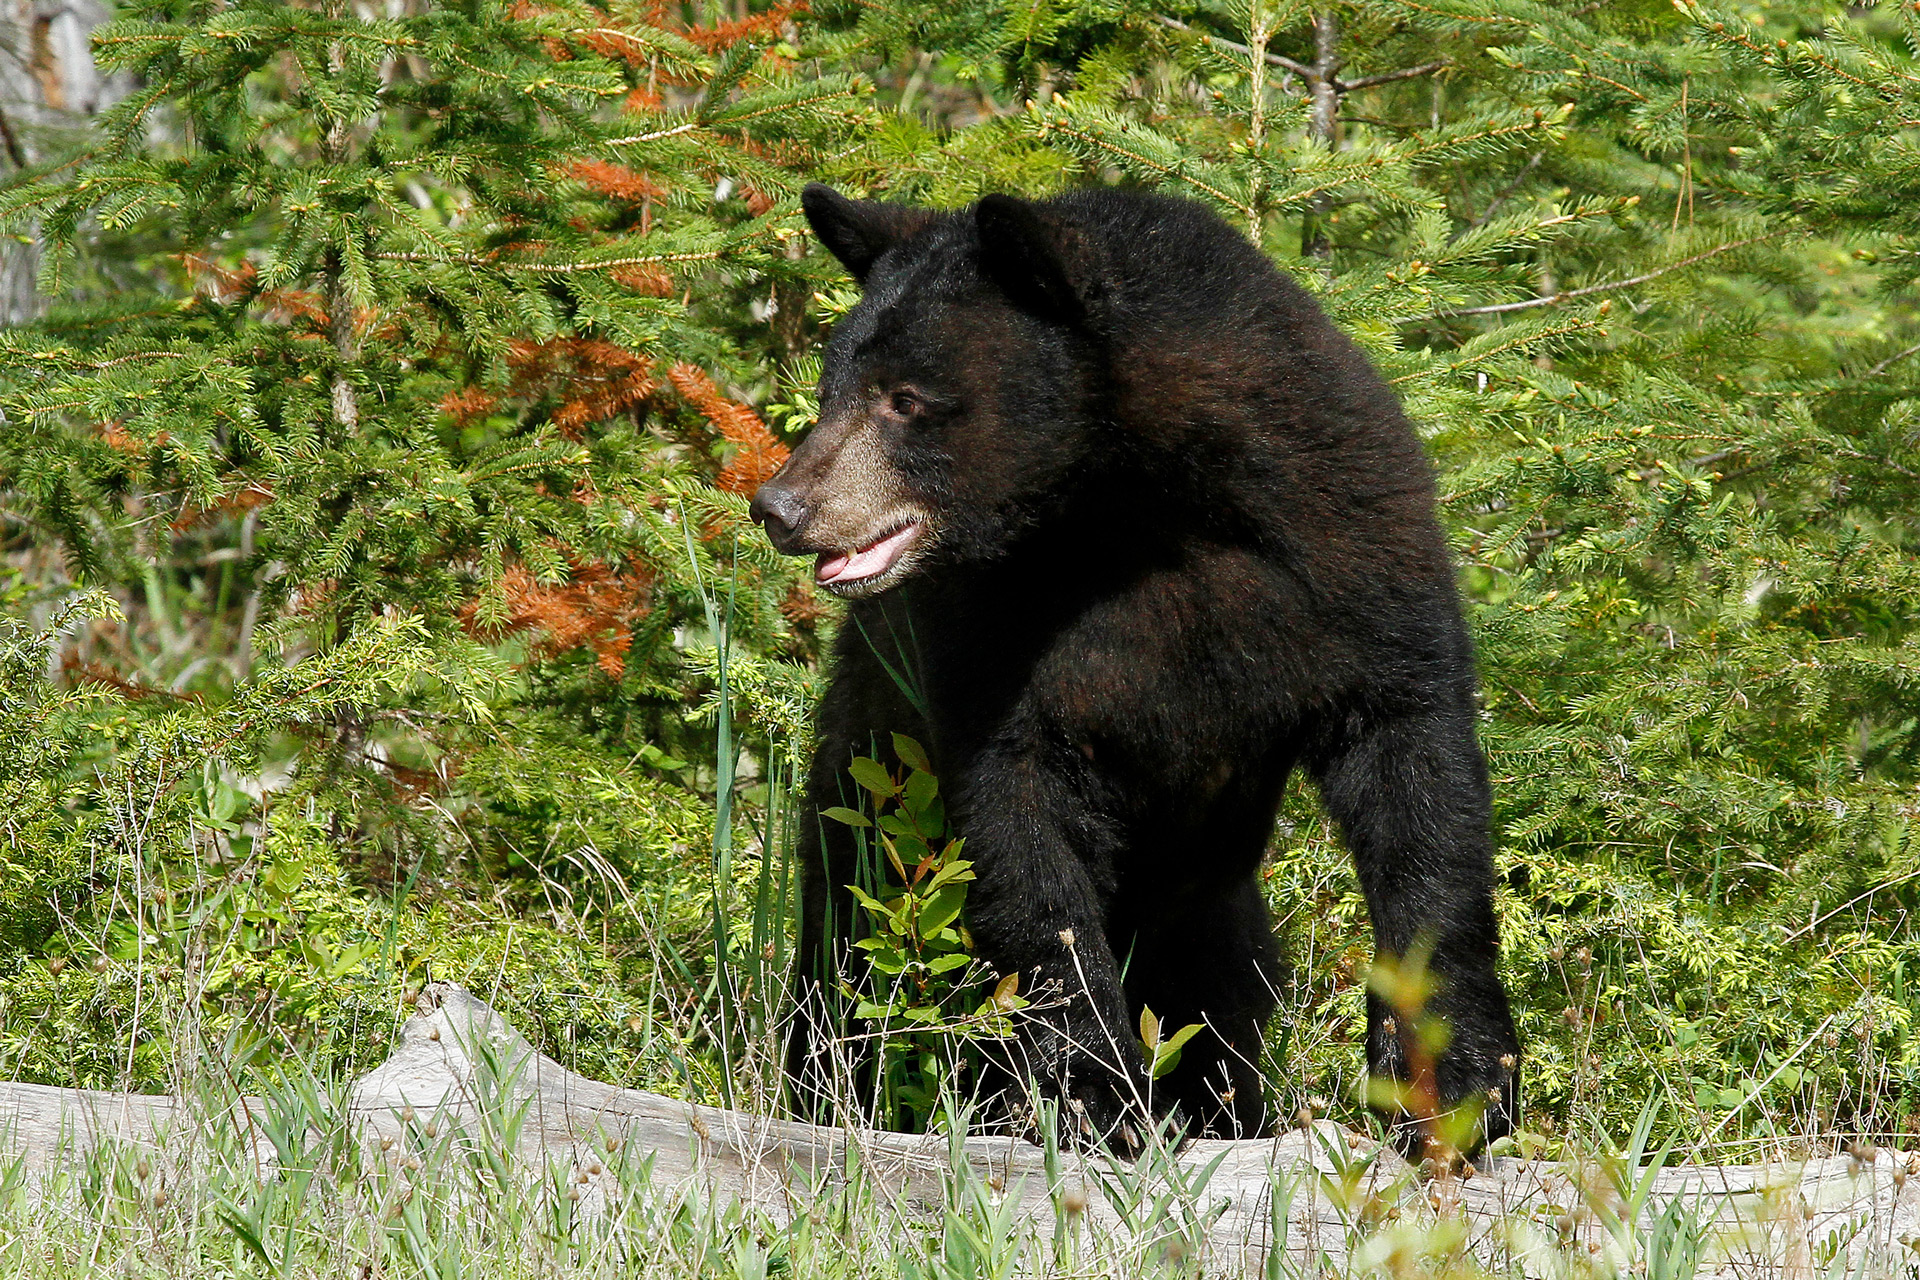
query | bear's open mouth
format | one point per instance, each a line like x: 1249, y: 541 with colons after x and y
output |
x: 849, y: 568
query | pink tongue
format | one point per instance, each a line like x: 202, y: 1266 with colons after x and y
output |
x: 865, y: 562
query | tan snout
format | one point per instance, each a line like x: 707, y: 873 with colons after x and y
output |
x: 836, y: 492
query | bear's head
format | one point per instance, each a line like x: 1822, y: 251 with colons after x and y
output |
x: 957, y: 400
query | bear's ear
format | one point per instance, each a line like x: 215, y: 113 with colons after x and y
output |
x: 858, y: 231
x: 1041, y: 266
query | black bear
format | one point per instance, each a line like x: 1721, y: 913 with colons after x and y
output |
x: 1147, y: 532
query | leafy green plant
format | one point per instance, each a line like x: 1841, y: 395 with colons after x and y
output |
x: 1163, y: 1053
x: 919, y: 949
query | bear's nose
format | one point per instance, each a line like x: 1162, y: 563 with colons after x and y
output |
x: 779, y: 509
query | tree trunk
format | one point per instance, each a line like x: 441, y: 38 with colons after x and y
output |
x: 1323, y: 123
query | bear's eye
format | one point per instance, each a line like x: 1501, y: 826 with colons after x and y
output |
x: 904, y: 403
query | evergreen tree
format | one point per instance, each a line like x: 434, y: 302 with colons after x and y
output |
x: 416, y: 342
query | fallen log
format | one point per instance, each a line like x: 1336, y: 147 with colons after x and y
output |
x: 459, y: 1067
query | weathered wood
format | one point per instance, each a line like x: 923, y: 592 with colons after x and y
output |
x: 50, y: 89
x: 461, y: 1065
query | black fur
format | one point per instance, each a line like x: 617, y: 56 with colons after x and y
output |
x: 1180, y: 541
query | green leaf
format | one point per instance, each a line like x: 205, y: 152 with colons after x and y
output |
x: 660, y: 759
x: 350, y: 959
x: 948, y: 963
x: 1183, y: 1035
x: 866, y: 899
x: 1164, y: 1054
x: 953, y: 872
x: 911, y: 753
x: 852, y: 817
x: 942, y: 909
x: 921, y: 798
x: 887, y: 914
x: 869, y: 773
x: 893, y: 856
x: 912, y: 851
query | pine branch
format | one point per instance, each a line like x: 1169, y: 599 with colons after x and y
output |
x: 1890, y: 361
x: 1806, y: 52
x: 1169, y: 170
x: 1508, y: 341
x: 549, y: 268
x: 14, y: 151
x: 1503, y: 196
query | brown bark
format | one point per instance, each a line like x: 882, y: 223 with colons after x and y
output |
x: 1323, y: 123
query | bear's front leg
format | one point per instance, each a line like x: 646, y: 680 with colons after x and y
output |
x: 1041, y: 853
x: 1410, y: 790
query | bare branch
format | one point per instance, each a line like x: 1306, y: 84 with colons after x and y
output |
x: 1288, y: 64
x: 1891, y: 360
x: 1312, y: 74
x: 1388, y: 77
x: 768, y: 1165
x: 1533, y: 162
x: 547, y: 268
x: 655, y: 136
x: 1568, y: 295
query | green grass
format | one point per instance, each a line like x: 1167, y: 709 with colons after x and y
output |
x: 436, y: 1198
x: 445, y: 1204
